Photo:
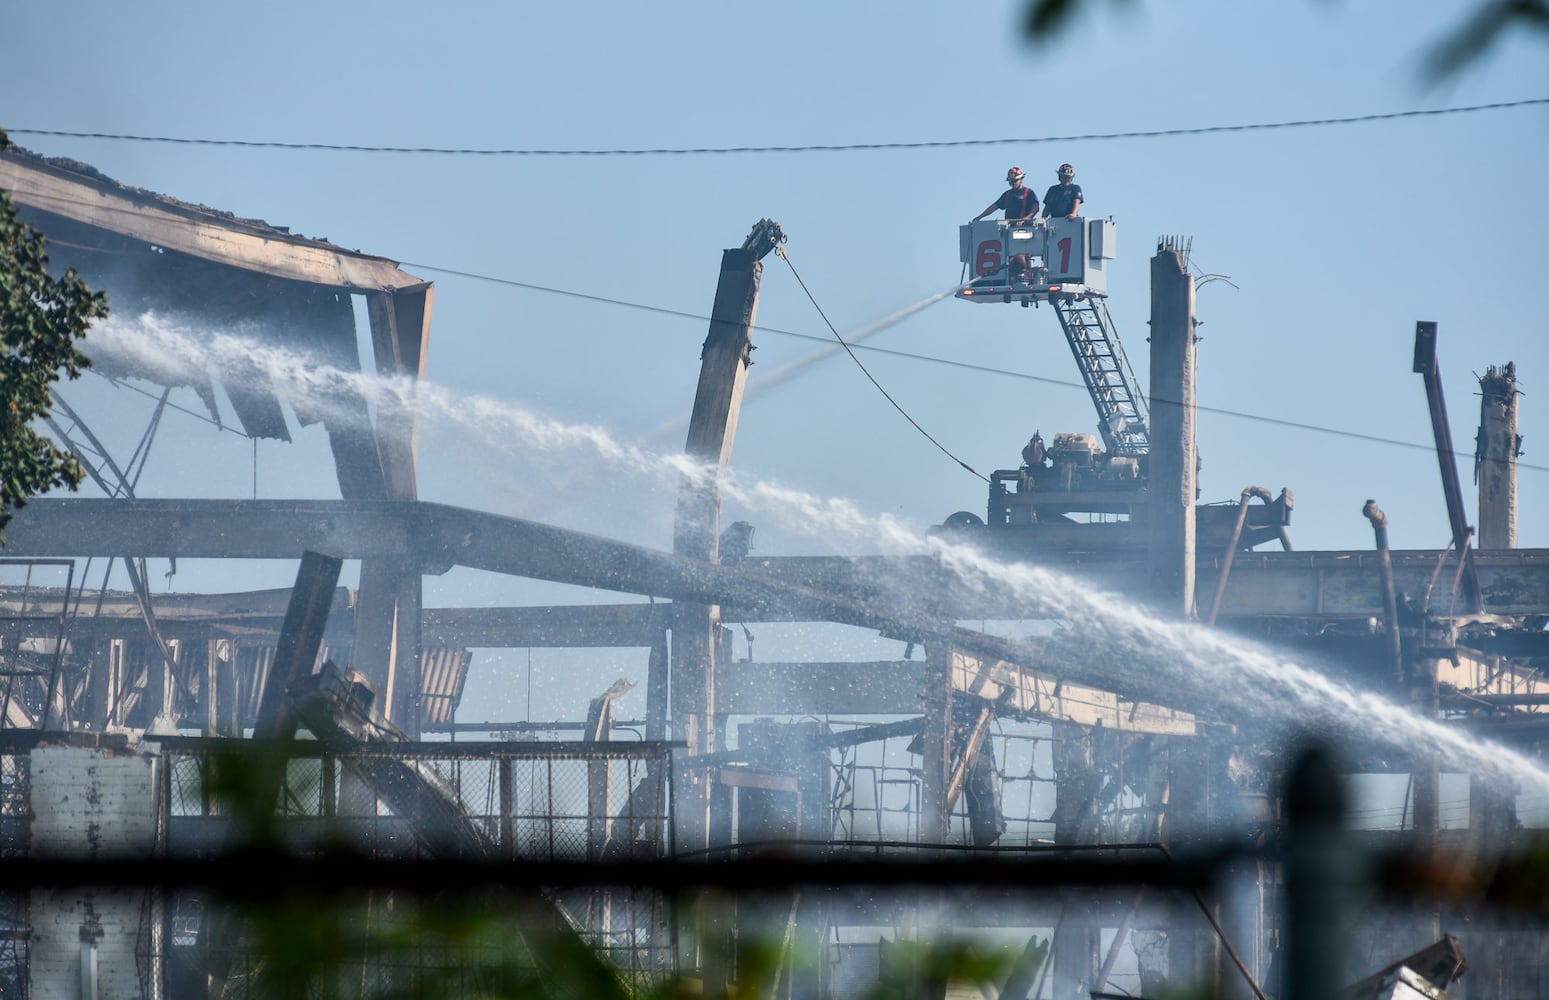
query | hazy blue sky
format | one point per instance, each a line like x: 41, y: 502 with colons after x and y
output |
x: 1337, y: 238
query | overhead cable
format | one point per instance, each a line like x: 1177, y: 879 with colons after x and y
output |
x: 850, y: 147
x: 935, y: 360
x: 885, y: 394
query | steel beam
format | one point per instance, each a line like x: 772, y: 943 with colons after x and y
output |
x: 578, y: 626
x: 300, y: 639
x: 435, y: 537
x: 1427, y: 366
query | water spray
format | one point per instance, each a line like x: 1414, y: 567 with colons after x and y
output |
x: 1186, y: 656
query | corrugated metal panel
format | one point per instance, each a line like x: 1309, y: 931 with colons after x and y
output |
x: 127, y: 699
x: 442, y: 671
x: 253, y: 666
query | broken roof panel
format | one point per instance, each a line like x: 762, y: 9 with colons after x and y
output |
x: 72, y: 190
x: 203, y: 273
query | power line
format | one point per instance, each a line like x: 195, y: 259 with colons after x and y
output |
x: 885, y: 394
x: 573, y: 294
x: 123, y: 384
x: 809, y: 148
x: 949, y: 362
x: 908, y: 355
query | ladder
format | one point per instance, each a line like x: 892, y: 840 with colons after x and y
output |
x: 1121, y: 409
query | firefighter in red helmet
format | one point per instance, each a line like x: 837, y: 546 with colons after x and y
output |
x: 1019, y: 202
x: 1021, y: 205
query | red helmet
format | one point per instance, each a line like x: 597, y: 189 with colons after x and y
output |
x: 1066, y: 170
x: 1014, y: 174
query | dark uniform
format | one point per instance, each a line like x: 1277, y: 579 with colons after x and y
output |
x: 1061, y: 198
x: 1019, y: 203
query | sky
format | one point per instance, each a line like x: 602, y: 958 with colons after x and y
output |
x: 1333, y: 240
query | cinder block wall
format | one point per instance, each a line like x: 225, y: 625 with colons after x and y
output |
x: 92, y: 803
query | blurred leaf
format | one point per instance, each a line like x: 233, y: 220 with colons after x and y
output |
x: 1483, y: 30
x: 1047, y: 21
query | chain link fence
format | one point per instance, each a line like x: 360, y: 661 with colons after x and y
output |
x: 525, y: 804
x: 14, y: 917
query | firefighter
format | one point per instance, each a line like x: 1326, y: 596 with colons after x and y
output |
x: 1019, y: 202
x: 1064, y: 198
x: 1021, y: 205
x: 1035, y: 459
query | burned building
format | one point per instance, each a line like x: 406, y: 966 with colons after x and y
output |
x: 1070, y: 784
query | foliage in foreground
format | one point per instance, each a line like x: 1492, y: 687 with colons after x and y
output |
x: 1485, y: 25
x: 41, y: 318
x: 304, y: 944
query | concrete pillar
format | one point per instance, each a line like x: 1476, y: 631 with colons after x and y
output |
x: 1173, y: 458
x: 1193, y: 949
x: 936, y: 746
x: 379, y: 463
x: 103, y: 680
x: 1424, y: 696
x: 696, y: 628
x: 218, y: 689
x: 1425, y: 776
x: 387, y: 639
x: 91, y: 804
x: 1075, y: 954
x: 1321, y: 871
x: 1493, y: 828
x: 1495, y: 458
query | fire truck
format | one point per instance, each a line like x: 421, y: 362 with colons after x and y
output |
x: 1078, y: 491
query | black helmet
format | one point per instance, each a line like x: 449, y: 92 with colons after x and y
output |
x: 1066, y: 170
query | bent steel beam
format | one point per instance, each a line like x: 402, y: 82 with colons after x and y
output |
x: 1429, y: 368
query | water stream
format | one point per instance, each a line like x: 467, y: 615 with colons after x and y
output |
x: 1262, y: 682
x: 760, y: 383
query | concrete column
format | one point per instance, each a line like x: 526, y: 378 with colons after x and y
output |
x: 387, y: 639
x: 696, y: 628
x: 1321, y: 871
x: 102, y: 683
x: 1495, y: 458
x: 1075, y: 956
x: 936, y: 746
x: 1425, y: 775
x: 1492, y: 829
x: 1424, y: 696
x: 1173, y: 458
x: 91, y: 804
